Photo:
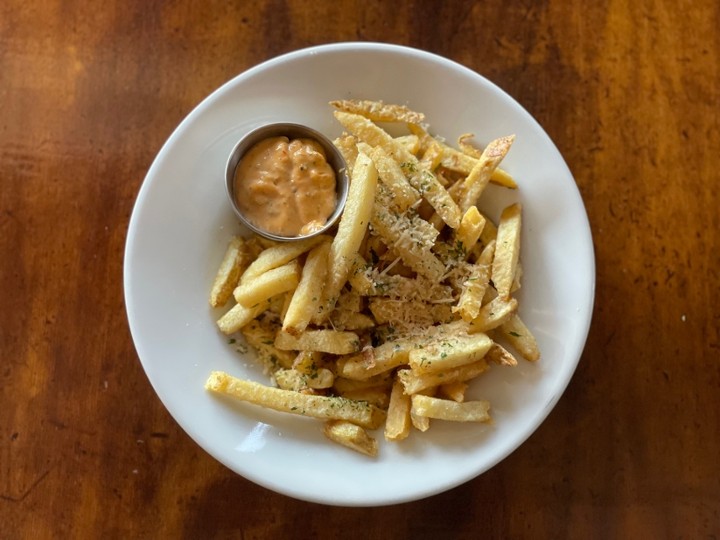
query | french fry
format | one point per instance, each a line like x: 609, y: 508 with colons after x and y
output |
x: 470, y: 228
x: 455, y: 160
x: 307, y: 297
x: 416, y: 382
x: 421, y: 423
x: 235, y: 260
x: 392, y: 176
x: 493, y: 314
x: 351, y: 228
x: 397, y: 424
x: 444, y: 409
x: 271, y: 283
x: 520, y: 337
x: 279, y: 255
x: 352, y: 436
x: 475, y: 182
x: 385, y: 357
x: 324, y: 407
x: 323, y: 340
x: 239, y: 316
x: 379, y: 111
x: 448, y: 353
x: 501, y: 356
x: 507, y: 249
x: 474, y: 287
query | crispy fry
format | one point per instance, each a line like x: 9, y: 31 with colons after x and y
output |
x: 449, y: 352
x: 239, y: 316
x: 307, y: 297
x: 457, y: 161
x: 351, y: 228
x: 507, y: 249
x: 416, y: 382
x: 279, y: 255
x: 397, y: 425
x: 324, y: 407
x: 520, y: 337
x: 271, y: 283
x: 443, y: 409
x: 234, y: 262
x: 475, y: 182
x: 392, y: 176
x: 493, y: 314
x: 351, y: 436
x: 379, y: 111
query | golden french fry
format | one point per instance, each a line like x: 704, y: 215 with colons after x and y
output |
x: 239, y: 316
x: 493, y: 314
x: 470, y: 228
x: 500, y: 355
x: 474, y: 287
x: 449, y: 352
x: 234, y: 262
x: 385, y: 357
x: 392, y: 176
x: 455, y: 160
x: 323, y: 340
x: 507, y: 249
x: 307, y: 297
x: 397, y: 424
x: 422, y: 423
x: 520, y: 337
x: 416, y: 382
x: 444, y: 409
x: 279, y: 255
x: 316, y: 406
x: 379, y: 111
x: 475, y: 182
x: 351, y: 228
x: 271, y: 283
x: 352, y: 436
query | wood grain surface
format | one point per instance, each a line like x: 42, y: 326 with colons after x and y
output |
x: 629, y: 92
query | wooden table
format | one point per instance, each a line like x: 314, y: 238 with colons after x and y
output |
x: 628, y: 91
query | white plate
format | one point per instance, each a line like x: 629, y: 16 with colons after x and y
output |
x: 182, y: 222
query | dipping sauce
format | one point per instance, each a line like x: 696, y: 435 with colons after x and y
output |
x: 285, y: 186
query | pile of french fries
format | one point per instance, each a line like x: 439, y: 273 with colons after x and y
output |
x: 385, y: 323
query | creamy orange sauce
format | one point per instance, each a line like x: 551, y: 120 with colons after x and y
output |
x: 286, y: 187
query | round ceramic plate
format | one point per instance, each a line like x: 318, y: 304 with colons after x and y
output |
x: 182, y: 222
